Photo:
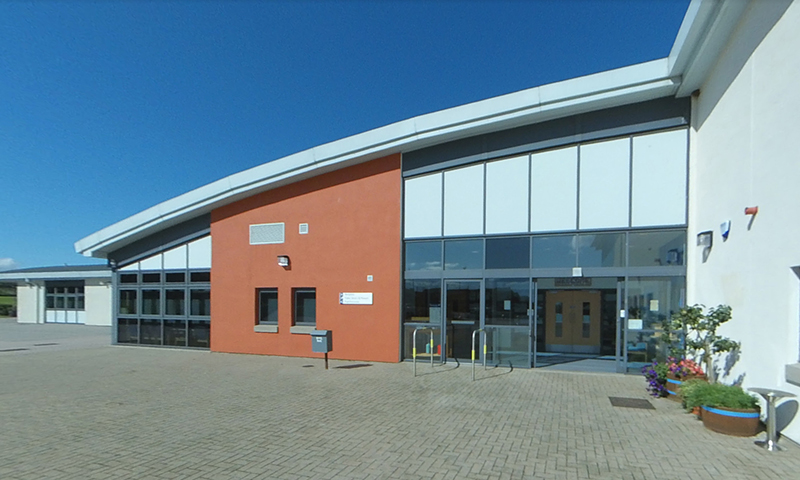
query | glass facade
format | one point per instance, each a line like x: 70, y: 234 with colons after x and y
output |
x: 537, y: 313
x: 152, y: 308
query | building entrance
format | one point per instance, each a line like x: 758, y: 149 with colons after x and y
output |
x: 573, y: 322
x: 462, y: 316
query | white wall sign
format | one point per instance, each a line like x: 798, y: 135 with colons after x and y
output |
x: 355, y: 298
x: 635, y: 324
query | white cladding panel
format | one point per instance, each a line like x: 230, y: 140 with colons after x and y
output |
x: 507, y: 195
x: 554, y: 190
x: 200, y: 253
x: 132, y: 267
x: 175, y: 258
x: 604, y: 184
x: 98, y: 303
x: 463, y: 201
x: 151, y: 263
x: 50, y: 316
x: 30, y: 303
x: 659, y: 179
x: 423, y: 206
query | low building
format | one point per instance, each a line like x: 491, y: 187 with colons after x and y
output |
x: 76, y: 294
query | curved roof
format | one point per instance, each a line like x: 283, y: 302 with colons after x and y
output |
x: 637, y: 83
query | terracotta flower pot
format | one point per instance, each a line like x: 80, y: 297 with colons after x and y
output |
x: 729, y: 421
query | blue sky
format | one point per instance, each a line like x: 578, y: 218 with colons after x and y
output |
x: 108, y: 108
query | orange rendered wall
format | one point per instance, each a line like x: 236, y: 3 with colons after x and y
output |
x: 354, y: 231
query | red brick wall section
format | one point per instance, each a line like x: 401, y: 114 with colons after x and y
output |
x: 354, y: 231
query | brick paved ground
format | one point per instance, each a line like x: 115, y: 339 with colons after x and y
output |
x: 127, y: 412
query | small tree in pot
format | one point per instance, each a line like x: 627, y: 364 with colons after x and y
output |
x: 701, y: 333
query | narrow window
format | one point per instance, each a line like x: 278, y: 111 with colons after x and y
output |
x: 268, y: 306
x: 305, y: 307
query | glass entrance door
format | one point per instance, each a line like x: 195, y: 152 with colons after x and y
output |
x: 507, y: 321
x: 462, y: 316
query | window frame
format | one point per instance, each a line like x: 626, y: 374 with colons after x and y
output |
x: 295, y: 304
x: 260, y: 306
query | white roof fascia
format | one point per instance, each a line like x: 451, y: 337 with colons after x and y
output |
x: 621, y: 86
x: 66, y: 275
x: 703, y: 35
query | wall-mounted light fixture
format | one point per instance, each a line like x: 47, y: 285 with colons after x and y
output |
x: 750, y: 210
x: 704, y: 239
x: 283, y: 261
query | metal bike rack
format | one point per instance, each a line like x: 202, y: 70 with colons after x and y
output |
x: 414, y: 343
x: 473, y: 350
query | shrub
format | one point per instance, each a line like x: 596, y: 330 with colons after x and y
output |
x: 698, y: 393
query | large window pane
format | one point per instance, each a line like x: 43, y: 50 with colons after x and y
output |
x: 507, y: 301
x: 127, y: 330
x: 127, y: 302
x: 199, y: 333
x: 463, y: 254
x: 151, y: 302
x: 650, y: 302
x: 128, y: 278
x: 422, y: 301
x: 175, y: 333
x: 175, y: 302
x: 508, y: 252
x: 201, y: 302
x: 150, y: 332
x: 268, y: 306
x: 554, y: 252
x: 656, y: 248
x: 424, y: 256
x: 601, y: 250
x: 305, y: 307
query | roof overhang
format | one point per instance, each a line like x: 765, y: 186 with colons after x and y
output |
x: 704, y: 33
x: 622, y: 86
x: 24, y: 277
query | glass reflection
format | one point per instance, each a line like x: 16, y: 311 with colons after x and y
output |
x: 647, y: 249
x: 507, y: 252
x: 601, y: 250
x: 463, y: 254
x: 424, y: 256
x: 422, y: 301
x: 555, y: 252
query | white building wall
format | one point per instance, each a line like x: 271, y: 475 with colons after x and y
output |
x: 744, y: 154
x: 97, y: 297
x: 30, y: 303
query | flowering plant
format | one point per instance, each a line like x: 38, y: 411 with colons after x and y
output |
x: 656, y: 376
x: 684, y: 368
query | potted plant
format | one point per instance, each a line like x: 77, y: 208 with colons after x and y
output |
x: 690, y: 397
x: 680, y: 371
x: 656, y: 376
x: 724, y: 409
x: 701, y: 338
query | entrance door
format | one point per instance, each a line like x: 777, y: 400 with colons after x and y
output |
x: 573, y: 321
x: 462, y: 316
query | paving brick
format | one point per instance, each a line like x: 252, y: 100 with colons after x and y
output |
x: 89, y: 410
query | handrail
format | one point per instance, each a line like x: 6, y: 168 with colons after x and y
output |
x: 414, y: 349
x: 473, y: 351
